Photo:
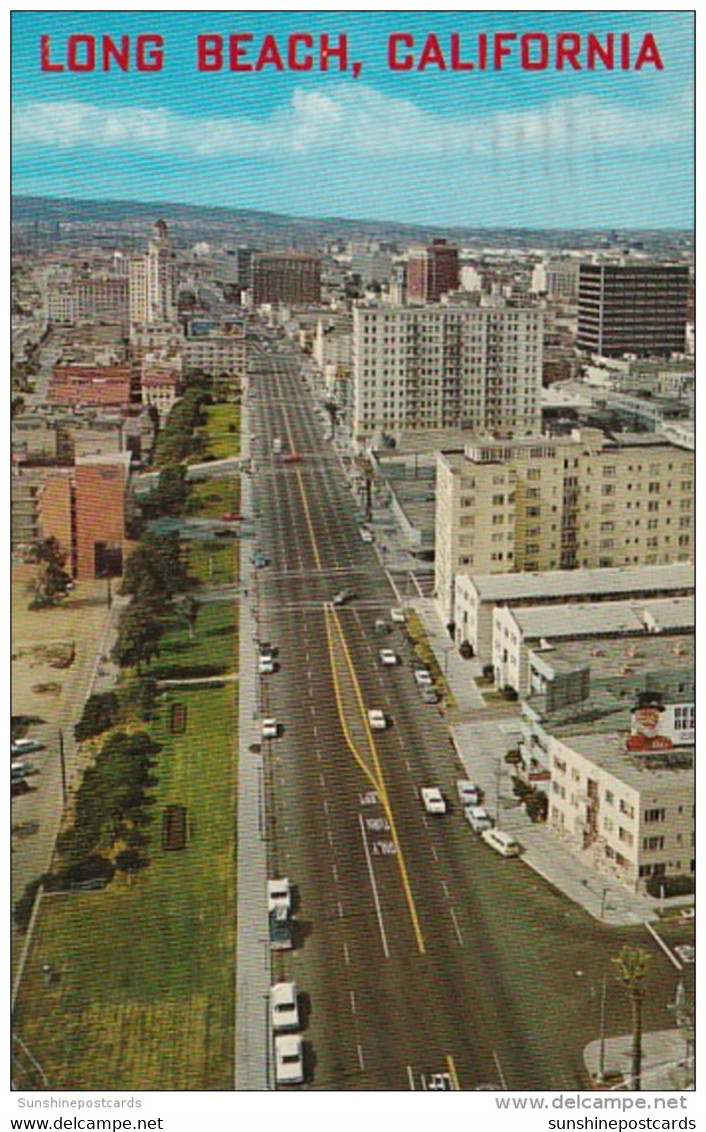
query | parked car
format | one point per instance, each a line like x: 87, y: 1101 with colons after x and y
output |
x: 478, y: 818
x: 366, y: 534
x: 279, y: 894
x: 501, y: 842
x: 468, y: 793
x: 377, y: 719
x: 25, y: 746
x: 388, y: 657
x: 289, y: 1059
x: 397, y: 616
x: 423, y: 677
x: 433, y: 800
x: 265, y: 665
x: 284, y: 1007
x: 231, y: 517
x: 429, y: 694
x: 270, y: 728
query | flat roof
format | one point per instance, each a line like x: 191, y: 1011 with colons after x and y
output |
x: 613, y: 660
x: 643, y: 771
x: 577, y: 620
x: 558, y: 583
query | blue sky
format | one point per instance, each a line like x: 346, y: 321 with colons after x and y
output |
x: 513, y: 148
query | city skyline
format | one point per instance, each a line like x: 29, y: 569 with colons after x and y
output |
x: 507, y: 147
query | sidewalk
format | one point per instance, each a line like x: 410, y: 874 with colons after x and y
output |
x: 665, y: 1061
x: 482, y: 737
x: 252, y: 960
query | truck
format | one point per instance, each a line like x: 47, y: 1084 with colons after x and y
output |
x: 277, y: 445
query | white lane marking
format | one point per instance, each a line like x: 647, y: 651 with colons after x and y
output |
x: 330, y: 837
x: 458, y: 930
x: 316, y: 735
x: 499, y: 1068
x: 360, y: 1059
x: 410, y: 1078
x: 322, y: 780
x: 445, y: 887
x: 346, y: 953
x: 408, y: 765
x: 376, y: 897
x: 340, y: 910
x: 352, y: 998
x: 400, y: 740
x: 325, y: 807
x: 434, y: 853
x: 334, y: 870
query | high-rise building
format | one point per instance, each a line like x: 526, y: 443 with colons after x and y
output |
x: 432, y: 271
x: 152, y: 281
x: 470, y: 367
x: 632, y: 308
x: 580, y: 501
x: 289, y: 278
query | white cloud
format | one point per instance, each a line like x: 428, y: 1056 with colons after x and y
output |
x: 358, y: 121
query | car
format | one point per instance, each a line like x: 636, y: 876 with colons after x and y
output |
x: 377, y: 719
x: 423, y: 677
x: 501, y: 842
x: 260, y: 560
x: 478, y: 818
x: 265, y: 665
x: 268, y: 650
x: 25, y: 746
x: 19, y: 771
x: 292, y: 458
x: 279, y: 894
x: 397, y: 616
x: 225, y: 532
x: 343, y: 597
x: 280, y: 929
x: 231, y: 517
x: 270, y: 728
x: 289, y: 1059
x: 284, y: 1007
x: 367, y: 535
x: 429, y: 694
x: 433, y: 800
x: 388, y: 657
x: 468, y: 793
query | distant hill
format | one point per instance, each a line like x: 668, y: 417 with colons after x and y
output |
x: 191, y: 222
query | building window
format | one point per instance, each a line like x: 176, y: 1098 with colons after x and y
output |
x: 654, y: 815
x: 653, y: 843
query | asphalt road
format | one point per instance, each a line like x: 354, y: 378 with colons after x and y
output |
x: 405, y: 954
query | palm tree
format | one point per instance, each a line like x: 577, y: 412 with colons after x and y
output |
x: 631, y: 967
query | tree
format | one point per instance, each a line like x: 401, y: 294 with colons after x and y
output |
x: 51, y: 579
x: 155, y: 571
x: 171, y: 494
x: 631, y: 967
x: 139, y: 634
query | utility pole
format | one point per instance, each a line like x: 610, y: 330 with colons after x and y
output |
x: 63, y: 766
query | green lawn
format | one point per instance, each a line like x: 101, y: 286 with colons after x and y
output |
x: 214, y: 563
x: 212, y: 651
x: 145, y: 994
x: 222, y: 430
x: 209, y: 499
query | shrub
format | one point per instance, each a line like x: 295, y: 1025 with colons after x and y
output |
x: 466, y: 650
x: 537, y: 806
x: 681, y: 885
x: 488, y: 672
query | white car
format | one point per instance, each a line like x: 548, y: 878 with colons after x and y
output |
x: 377, y: 719
x: 25, y: 746
x: 397, y: 616
x: 367, y: 535
x: 279, y: 894
x: 478, y: 818
x: 423, y: 677
x: 270, y: 729
x: 266, y: 665
x: 388, y: 657
x: 284, y: 1007
x: 289, y: 1059
x: 468, y: 793
x: 433, y: 800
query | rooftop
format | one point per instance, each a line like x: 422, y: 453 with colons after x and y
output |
x: 608, y: 617
x: 643, y: 771
x: 568, y: 583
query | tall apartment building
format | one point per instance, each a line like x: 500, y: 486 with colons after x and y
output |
x: 470, y: 367
x: 152, y: 281
x: 432, y: 272
x: 285, y: 278
x: 558, y: 278
x: 632, y: 308
x: 550, y: 504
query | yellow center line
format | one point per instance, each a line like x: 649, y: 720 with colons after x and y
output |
x: 382, y: 790
x: 302, y: 492
x: 339, y: 703
x: 452, y: 1072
